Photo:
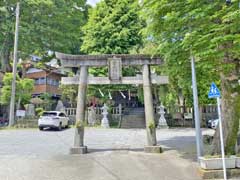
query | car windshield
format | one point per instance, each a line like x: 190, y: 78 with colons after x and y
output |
x: 49, y: 114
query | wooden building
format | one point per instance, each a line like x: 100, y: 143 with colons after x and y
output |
x: 46, y: 81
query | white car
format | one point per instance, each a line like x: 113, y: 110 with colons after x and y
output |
x: 53, y: 119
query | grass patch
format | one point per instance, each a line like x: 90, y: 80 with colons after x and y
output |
x: 114, y: 124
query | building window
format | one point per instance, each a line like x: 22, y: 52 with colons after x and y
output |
x: 40, y: 81
x: 36, y: 81
x: 52, y: 82
x: 49, y: 81
x: 56, y: 83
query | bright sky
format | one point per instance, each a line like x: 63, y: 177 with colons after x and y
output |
x: 92, y: 2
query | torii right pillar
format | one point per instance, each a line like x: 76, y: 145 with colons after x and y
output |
x: 152, y: 146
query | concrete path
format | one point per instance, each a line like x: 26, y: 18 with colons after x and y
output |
x: 115, y: 154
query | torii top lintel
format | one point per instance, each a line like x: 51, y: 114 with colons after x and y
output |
x: 68, y: 60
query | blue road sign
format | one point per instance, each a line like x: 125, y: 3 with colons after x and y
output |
x: 214, y: 91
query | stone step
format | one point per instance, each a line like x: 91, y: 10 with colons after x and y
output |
x: 134, y: 111
x: 133, y: 121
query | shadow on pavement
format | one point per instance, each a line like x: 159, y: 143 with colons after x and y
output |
x: 184, y: 145
x: 93, y: 150
x: 54, y: 129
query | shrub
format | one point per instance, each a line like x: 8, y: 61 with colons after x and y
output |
x: 39, y: 111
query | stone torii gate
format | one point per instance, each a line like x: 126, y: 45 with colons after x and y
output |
x: 114, y: 63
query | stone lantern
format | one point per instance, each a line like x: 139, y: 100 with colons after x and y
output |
x: 162, y: 123
x: 105, y: 122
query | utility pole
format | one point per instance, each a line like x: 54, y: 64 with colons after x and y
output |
x: 199, y: 140
x: 12, y: 103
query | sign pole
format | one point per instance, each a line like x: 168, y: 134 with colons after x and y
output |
x: 215, y: 93
x: 221, y: 138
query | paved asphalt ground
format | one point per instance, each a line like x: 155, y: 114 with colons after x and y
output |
x: 115, y: 154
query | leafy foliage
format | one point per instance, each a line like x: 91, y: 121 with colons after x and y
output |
x: 44, y: 25
x: 39, y: 111
x: 209, y: 31
x: 200, y: 28
x: 47, y: 101
x: 113, y: 28
x: 69, y: 93
x: 24, y: 88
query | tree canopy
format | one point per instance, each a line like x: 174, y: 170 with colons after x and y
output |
x: 44, y: 25
x: 209, y: 31
x: 114, y: 27
x: 24, y: 88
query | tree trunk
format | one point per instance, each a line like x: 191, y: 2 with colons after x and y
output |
x: 230, y: 108
x: 5, y: 57
x: 19, y: 103
x: 6, y: 110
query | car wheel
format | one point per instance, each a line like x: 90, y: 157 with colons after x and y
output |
x: 60, y: 127
x: 40, y: 128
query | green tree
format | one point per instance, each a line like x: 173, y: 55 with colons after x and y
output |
x: 47, y: 101
x: 44, y: 25
x: 24, y: 88
x: 69, y: 93
x: 209, y: 30
x: 113, y: 28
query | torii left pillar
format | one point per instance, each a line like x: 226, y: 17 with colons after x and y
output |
x: 152, y: 146
x: 79, y: 147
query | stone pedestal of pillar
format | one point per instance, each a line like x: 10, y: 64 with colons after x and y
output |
x: 162, y: 123
x: 78, y: 150
x: 105, y: 122
x: 153, y: 149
